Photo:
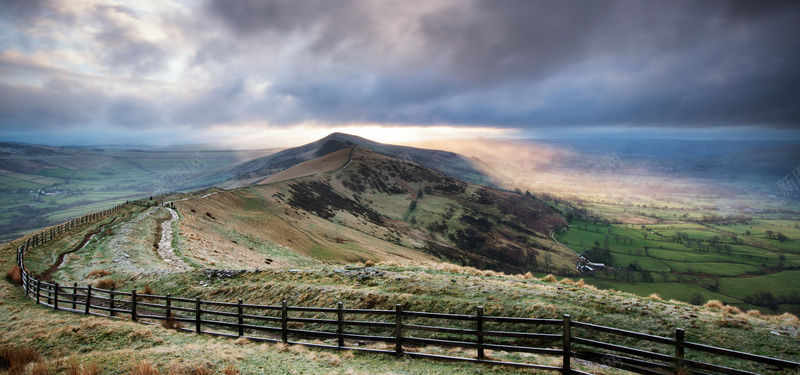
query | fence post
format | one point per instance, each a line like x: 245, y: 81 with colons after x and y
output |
x: 241, y: 318
x: 565, y: 364
x: 480, y: 332
x: 284, y: 322
x: 111, y: 302
x: 168, y: 307
x: 680, y: 335
x: 197, y: 315
x: 38, y: 290
x: 55, y: 296
x: 27, y: 283
x: 88, y: 299
x: 133, y: 305
x: 75, y: 296
x: 398, y: 330
x: 340, y: 324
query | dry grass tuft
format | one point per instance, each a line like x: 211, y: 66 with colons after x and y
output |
x: 567, y: 281
x: 16, y: 359
x: 241, y: 341
x: 528, y: 276
x: 200, y: 370
x: 655, y: 297
x: 731, y: 310
x: 144, y: 368
x: 230, y: 369
x: 369, y: 263
x: 789, y: 319
x: 40, y: 368
x: 75, y: 369
x: 96, y: 274
x: 550, y: 279
x: 107, y: 283
x: 14, y: 275
x: 754, y: 313
x: 171, y: 322
x: 298, y: 349
x: 714, y: 304
x: 147, y: 290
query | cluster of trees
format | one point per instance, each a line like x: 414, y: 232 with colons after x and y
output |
x: 777, y: 236
x: 766, y: 299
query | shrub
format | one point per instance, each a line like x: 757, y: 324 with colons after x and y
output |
x: 16, y: 359
x: 14, y: 275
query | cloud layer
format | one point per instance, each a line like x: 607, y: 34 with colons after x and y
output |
x: 67, y: 65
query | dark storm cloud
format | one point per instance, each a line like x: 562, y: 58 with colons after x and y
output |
x: 677, y: 63
x: 513, y: 63
x: 56, y: 105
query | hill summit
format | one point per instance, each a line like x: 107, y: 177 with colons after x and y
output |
x: 445, y: 162
x: 354, y: 204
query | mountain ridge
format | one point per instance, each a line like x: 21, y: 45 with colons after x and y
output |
x: 448, y: 163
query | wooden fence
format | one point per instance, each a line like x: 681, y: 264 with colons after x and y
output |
x: 410, y: 333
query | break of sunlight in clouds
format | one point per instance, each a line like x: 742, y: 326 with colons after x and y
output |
x: 258, y: 136
x: 535, y: 66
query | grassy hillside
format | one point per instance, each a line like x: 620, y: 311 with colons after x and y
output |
x: 114, y: 346
x: 42, y: 185
x: 356, y: 205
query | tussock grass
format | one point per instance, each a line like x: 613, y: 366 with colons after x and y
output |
x: 171, y: 322
x: 144, y: 368
x: 550, y: 279
x: 107, y: 283
x: 731, y: 310
x: 14, y: 275
x: 76, y: 369
x: 714, y: 304
x: 655, y: 297
x: 15, y: 359
x: 789, y: 319
x: 96, y: 274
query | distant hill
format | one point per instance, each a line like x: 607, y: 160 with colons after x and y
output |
x: 355, y: 204
x: 448, y: 163
x: 46, y: 185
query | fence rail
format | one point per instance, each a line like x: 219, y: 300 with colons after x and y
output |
x: 408, y: 332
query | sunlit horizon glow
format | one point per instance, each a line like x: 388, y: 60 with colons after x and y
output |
x: 261, y: 137
x: 280, y: 72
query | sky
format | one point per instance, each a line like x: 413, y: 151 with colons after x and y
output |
x: 266, y: 72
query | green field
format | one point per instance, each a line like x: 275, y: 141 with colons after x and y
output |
x: 724, y: 249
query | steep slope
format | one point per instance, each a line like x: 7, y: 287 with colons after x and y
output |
x: 445, y: 162
x: 355, y: 205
